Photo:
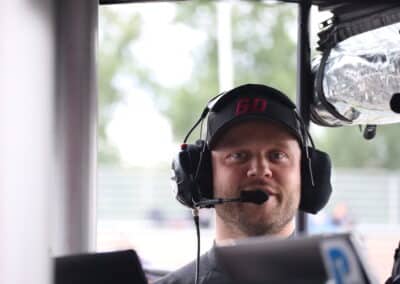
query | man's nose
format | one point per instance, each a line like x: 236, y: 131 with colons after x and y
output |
x: 259, y: 167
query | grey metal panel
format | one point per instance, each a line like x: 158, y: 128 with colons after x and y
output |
x: 26, y: 95
x: 76, y: 112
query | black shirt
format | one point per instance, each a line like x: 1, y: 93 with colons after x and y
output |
x: 210, y: 272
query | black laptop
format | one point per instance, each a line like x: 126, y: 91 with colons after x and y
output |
x: 118, y: 267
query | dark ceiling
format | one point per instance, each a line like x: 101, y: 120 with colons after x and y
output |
x: 322, y: 4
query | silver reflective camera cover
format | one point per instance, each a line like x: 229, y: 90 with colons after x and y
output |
x: 360, y: 78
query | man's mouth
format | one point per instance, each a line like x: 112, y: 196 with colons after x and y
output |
x: 262, y: 188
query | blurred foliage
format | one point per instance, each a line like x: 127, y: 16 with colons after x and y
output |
x: 186, y: 102
x: 117, y: 34
x: 349, y: 149
x: 264, y: 51
x: 115, y: 37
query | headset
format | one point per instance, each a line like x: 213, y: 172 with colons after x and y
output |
x: 192, y: 170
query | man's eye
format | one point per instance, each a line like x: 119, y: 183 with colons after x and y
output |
x: 239, y: 156
x: 278, y: 156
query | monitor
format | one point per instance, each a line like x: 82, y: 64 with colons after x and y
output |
x: 319, y: 259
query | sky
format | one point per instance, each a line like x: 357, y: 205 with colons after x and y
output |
x: 142, y: 135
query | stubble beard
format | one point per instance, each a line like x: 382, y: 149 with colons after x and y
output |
x: 238, y: 218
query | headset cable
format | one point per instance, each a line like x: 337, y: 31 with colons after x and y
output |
x: 195, y: 212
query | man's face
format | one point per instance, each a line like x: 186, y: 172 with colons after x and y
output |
x: 257, y: 155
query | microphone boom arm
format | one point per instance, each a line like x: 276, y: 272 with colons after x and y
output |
x: 208, y: 203
x: 252, y: 196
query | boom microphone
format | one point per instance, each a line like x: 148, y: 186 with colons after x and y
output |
x: 395, y: 103
x: 253, y: 196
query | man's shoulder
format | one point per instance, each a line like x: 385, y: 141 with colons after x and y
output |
x: 183, y: 275
x: 210, y: 272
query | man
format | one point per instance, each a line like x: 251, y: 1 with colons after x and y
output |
x: 256, y: 142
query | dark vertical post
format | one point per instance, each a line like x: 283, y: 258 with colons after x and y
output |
x: 304, y: 81
x: 73, y: 200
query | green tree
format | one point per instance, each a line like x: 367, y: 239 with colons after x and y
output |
x: 263, y: 48
x: 188, y: 100
x: 263, y: 52
x: 348, y: 148
x: 117, y: 34
x: 264, y: 43
x: 113, y: 58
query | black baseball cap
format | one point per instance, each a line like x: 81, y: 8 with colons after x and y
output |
x: 248, y: 102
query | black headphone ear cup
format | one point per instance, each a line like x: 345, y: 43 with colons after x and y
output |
x: 314, y: 198
x: 192, y: 173
x: 205, y: 178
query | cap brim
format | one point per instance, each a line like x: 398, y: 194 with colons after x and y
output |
x: 251, y: 117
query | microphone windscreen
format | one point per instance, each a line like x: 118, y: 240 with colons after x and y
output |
x: 395, y: 103
x: 254, y: 196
